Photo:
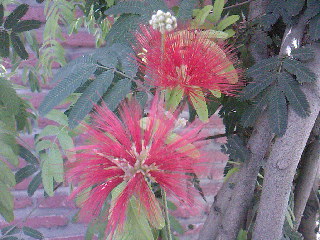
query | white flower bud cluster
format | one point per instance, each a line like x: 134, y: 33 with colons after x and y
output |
x: 165, y: 22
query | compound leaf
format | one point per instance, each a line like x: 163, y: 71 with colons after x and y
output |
x: 32, y: 233
x: 254, y: 88
x: 18, y: 46
x: 26, y: 25
x: 90, y: 96
x: 15, y: 16
x: 80, y: 73
x: 277, y: 110
x: 303, y: 73
x: 5, y: 43
x: 25, y: 172
x: 264, y: 66
x: 303, y: 53
x: 294, y: 95
x: 117, y: 93
x: 185, y: 9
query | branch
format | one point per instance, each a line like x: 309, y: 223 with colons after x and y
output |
x: 258, y: 46
x: 235, y: 215
x: 237, y: 4
x: 232, y: 204
x: 219, y: 206
x: 307, y: 176
x: 310, y: 215
x: 286, y: 151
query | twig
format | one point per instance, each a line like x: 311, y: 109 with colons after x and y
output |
x: 166, y: 215
x: 219, y: 135
x: 237, y: 4
x: 129, y: 77
x: 28, y: 215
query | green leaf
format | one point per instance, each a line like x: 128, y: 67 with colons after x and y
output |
x: 25, y: 172
x: 185, y: 9
x: 9, y: 97
x: 297, y: 99
x: 250, y: 115
x: 294, y: 7
x: 124, y: 54
x: 242, y: 235
x: 133, y: 7
x: 7, y: 152
x: 5, y: 43
x: 18, y: 46
x: 56, y: 163
x: 49, y: 130
x: 10, y: 238
x: 254, y: 88
x: 217, y: 10
x: 122, y: 29
x: 174, y: 97
x: 27, y: 155
x: 313, y: 8
x: 303, y: 53
x: 15, y: 16
x: 58, y: 116
x: 42, y: 144
x: 117, y: 93
x: 314, y: 28
x: 142, y: 98
x: 46, y: 175
x: 10, y: 230
x: 73, y: 66
x: 303, y: 73
x: 34, y: 184
x: 264, y: 66
x: 90, y: 96
x: 32, y: 233
x: 6, y: 198
x: 1, y: 14
x: 26, y: 25
x: 277, y: 111
x: 202, y: 15
x: 6, y: 175
x: 199, y: 103
x: 136, y: 225
x: 237, y: 148
x: 78, y: 75
x: 175, y: 225
x: 223, y: 24
x: 66, y: 144
x: 7, y: 214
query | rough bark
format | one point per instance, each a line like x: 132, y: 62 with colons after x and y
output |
x: 258, y: 47
x: 231, y: 205
x: 235, y: 215
x: 285, y: 154
x: 310, y: 215
x: 219, y: 206
x: 310, y: 165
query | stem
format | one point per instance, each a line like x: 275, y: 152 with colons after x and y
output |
x: 28, y: 215
x: 168, y: 235
x: 238, y: 4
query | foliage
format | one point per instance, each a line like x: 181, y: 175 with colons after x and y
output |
x: 12, y: 26
x: 111, y: 74
x: 277, y: 81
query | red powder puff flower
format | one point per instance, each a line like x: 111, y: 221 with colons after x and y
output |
x: 136, y: 152
x: 188, y: 60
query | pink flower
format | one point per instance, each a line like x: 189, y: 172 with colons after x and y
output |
x: 137, y: 152
x: 187, y: 59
